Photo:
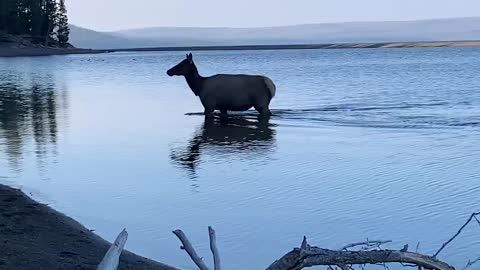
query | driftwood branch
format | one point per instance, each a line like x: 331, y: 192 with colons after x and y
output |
x: 213, y: 248
x: 308, y: 256
x: 187, y: 246
x: 111, y: 259
x: 368, y: 252
x: 367, y: 244
x: 473, y: 216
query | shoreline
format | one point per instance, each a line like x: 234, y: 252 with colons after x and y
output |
x: 41, y: 51
x: 34, y: 236
x: 385, y: 45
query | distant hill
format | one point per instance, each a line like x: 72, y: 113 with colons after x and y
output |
x: 350, y: 32
x: 86, y: 38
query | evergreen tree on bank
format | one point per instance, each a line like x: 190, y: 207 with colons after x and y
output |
x: 39, y: 21
x: 49, y: 21
x: 63, y: 30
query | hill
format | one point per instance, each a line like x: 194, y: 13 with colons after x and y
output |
x: 350, y: 32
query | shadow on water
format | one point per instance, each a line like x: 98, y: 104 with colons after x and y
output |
x: 28, y: 113
x: 226, y: 137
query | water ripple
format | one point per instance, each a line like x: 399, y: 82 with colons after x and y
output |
x: 397, y: 116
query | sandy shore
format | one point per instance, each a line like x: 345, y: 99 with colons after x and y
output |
x: 313, y: 46
x: 18, y: 52
x: 33, y: 236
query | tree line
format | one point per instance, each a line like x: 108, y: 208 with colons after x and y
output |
x: 41, y: 21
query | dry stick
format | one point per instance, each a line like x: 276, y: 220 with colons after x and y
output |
x: 474, y: 215
x: 368, y: 243
x: 110, y: 261
x: 478, y: 221
x: 314, y: 256
x: 418, y: 246
x: 470, y: 263
x: 187, y: 246
x: 213, y: 248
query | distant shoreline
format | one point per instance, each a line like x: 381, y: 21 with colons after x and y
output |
x: 30, y: 51
x: 433, y: 44
x: 42, y: 51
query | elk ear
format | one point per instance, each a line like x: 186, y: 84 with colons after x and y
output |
x: 190, y: 57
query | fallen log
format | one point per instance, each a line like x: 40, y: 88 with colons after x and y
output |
x: 370, y: 253
x: 308, y: 256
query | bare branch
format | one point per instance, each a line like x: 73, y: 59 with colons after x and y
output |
x: 111, y: 259
x: 470, y: 263
x: 478, y: 221
x: 319, y: 256
x: 213, y: 248
x: 368, y: 243
x: 305, y: 246
x: 474, y: 215
x: 187, y: 246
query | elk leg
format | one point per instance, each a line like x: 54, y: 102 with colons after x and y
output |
x: 209, y: 111
x: 263, y: 110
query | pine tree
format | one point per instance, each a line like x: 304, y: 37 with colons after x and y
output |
x: 36, y: 17
x: 38, y: 20
x: 13, y: 19
x: 63, y: 30
x: 25, y: 15
x: 49, y: 20
x: 3, y: 15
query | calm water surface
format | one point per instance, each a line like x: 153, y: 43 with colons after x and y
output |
x: 364, y: 143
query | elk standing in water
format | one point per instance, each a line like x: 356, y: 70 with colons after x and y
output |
x: 227, y: 92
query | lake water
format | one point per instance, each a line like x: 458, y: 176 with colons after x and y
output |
x: 378, y: 144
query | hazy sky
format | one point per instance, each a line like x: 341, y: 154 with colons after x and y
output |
x: 122, y: 14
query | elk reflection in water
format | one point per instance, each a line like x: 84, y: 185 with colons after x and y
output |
x: 227, y: 137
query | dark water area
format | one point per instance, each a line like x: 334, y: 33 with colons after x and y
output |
x: 368, y: 143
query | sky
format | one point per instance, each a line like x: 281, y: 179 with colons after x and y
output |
x: 110, y: 15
